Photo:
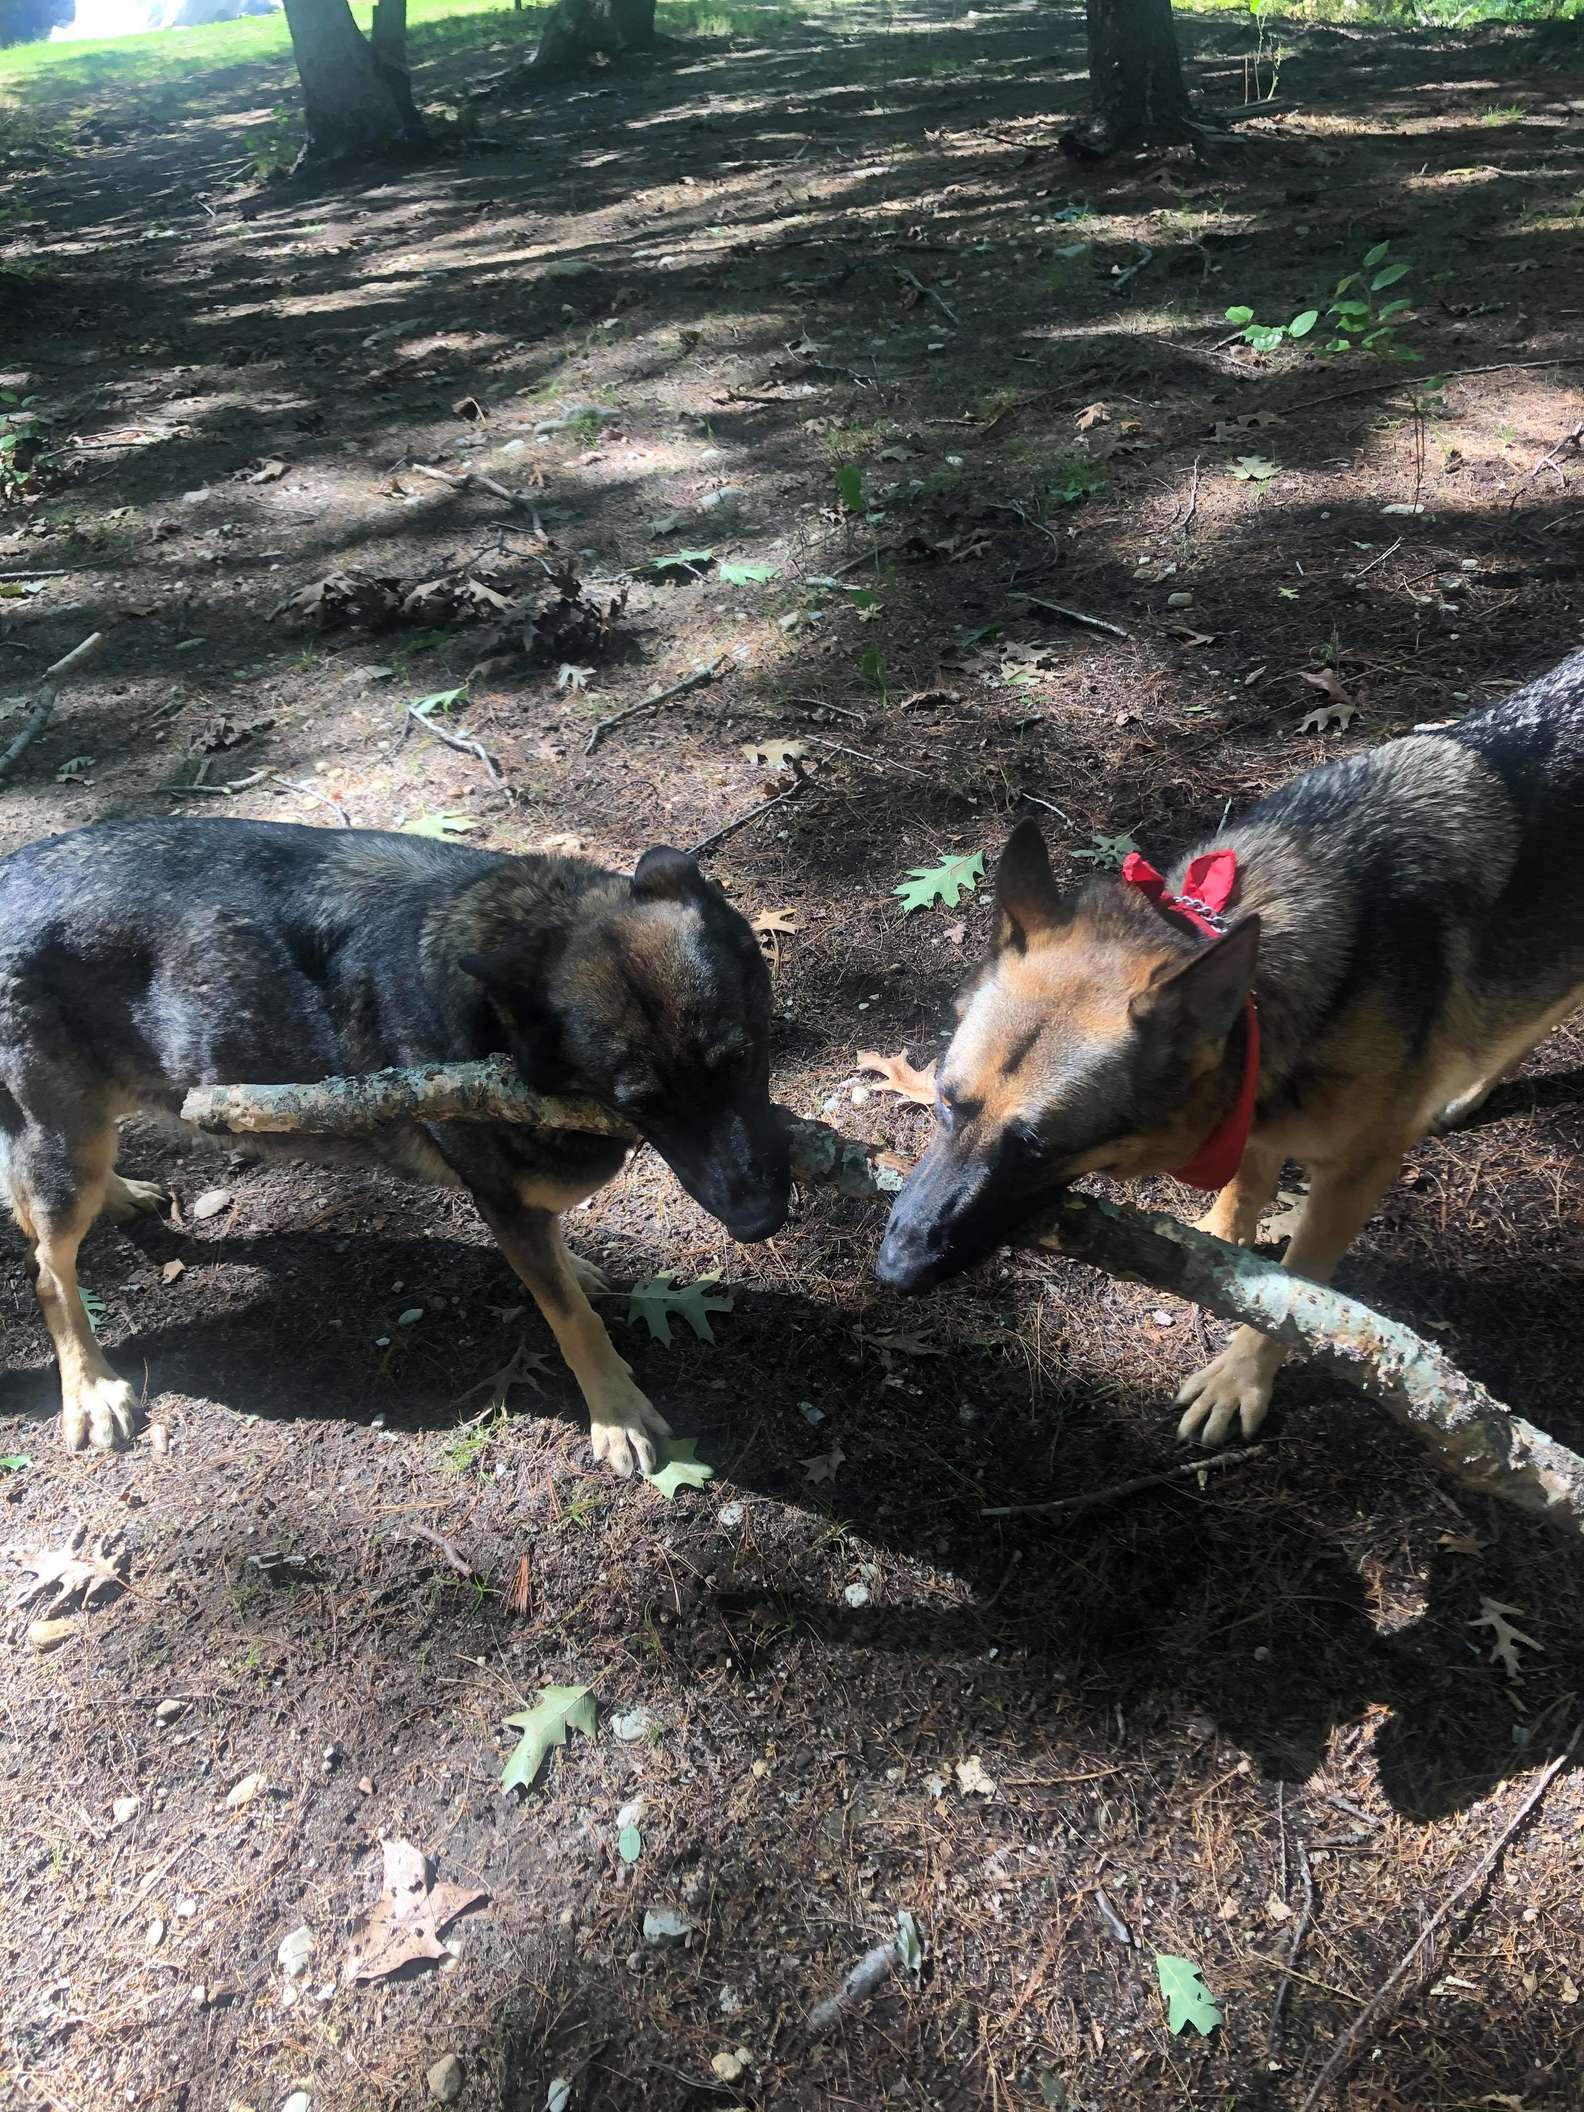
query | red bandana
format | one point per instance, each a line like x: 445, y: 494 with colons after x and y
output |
x: 1207, y: 889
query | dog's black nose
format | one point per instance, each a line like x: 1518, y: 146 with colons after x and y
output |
x: 757, y: 1220
x: 901, y: 1265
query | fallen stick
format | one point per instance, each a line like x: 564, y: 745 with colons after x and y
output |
x: 517, y: 500
x: 1090, y: 623
x: 741, y: 821
x: 1478, y: 1440
x: 1341, y: 2057
x: 1087, y: 1497
x: 461, y: 742
x: 49, y: 689
x: 696, y: 680
x: 872, y: 1969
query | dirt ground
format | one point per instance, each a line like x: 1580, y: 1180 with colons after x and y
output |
x: 1246, y: 1719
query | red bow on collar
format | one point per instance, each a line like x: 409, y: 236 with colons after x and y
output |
x: 1207, y: 889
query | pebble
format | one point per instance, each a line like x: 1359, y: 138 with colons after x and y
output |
x: 295, y: 1952
x: 168, y: 1711
x: 663, y: 1926
x: 299, y: 2101
x: 630, y: 1725
x: 244, y: 1792
x: 856, y: 1594
x: 445, y: 2079
x: 729, y: 2066
x: 124, y: 1808
x: 729, y: 1514
x: 210, y: 1204
x: 49, y: 1635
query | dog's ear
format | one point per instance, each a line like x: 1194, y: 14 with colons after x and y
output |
x: 1201, y: 998
x: 1028, y: 900
x: 665, y: 875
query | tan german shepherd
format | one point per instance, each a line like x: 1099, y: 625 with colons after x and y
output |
x: 1399, y: 929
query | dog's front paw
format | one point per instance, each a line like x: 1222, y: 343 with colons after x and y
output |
x: 125, y: 1200
x: 591, y: 1279
x: 101, y: 1413
x: 1234, y: 1387
x: 625, y: 1430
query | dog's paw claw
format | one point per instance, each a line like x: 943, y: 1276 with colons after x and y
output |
x: 1233, y: 1389
x: 626, y: 1435
x: 101, y: 1416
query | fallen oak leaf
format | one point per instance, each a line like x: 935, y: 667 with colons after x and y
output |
x: 1505, y: 1638
x: 269, y: 469
x: 1254, y: 469
x: 1091, y: 415
x: 777, y: 754
x: 66, y: 1572
x: 899, y: 1076
x: 545, y: 1727
x: 403, y: 1927
x: 767, y: 923
x: 1340, y: 711
x: 681, y: 1469
x: 824, y: 1466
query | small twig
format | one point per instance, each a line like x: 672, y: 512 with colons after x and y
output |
x: 1547, y: 461
x: 872, y: 1969
x: 928, y: 293
x: 699, y: 677
x: 741, y: 821
x: 517, y: 500
x: 1404, y: 381
x: 50, y: 682
x: 61, y: 572
x: 463, y: 743
x: 1129, y: 1488
x: 877, y: 762
x: 308, y: 792
x: 879, y: 551
x: 1342, y: 2053
x: 236, y: 784
x: 1389, y: 550
x: 1050, y: 807
x: 427, y: 1533
x: 1300, y: 1930
x: 1124, y: 278
x: 1093, y: 623
x: 1193, y: 501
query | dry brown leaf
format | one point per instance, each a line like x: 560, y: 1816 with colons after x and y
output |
x: 1505, y: 1636
x: 268, y: 470
x: 1341, y: 709
x: 1091, y: 415
x: 899, y: 1344
x: 824, y: 1466
x: 404, y: 1926
x: 899, y: 1076
x: 770, y: 921
x: 776, y: 753
x: 65, y: 1572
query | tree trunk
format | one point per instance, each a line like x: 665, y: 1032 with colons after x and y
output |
x: 357, y: 101
x: 1136, y: 89
x: 580, y: 31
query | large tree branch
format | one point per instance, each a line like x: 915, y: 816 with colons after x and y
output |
x: 1474, y: 1436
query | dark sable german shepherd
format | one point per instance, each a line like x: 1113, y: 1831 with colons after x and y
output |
x: 139, y: 959
x: 1409, y: 923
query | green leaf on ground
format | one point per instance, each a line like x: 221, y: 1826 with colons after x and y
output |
x: 1187, y: 1998
x: 749, y: 575
x: 438, y: 700
x: 849, y: 487
x: 681, y: 1469
x: 909, y: 1949
x: 926, y: 885
x: 681, y: 561
x: 1240, y: 316
x: 1107, y: 851
x: 1254, y: 468
x: 544, y: 1727
x: 660, y: 1299
x: 447, y: 827
x: 524, y: 1367
x: 629, y: 1844
x: 15, y: 1462
x: 1301, y: 325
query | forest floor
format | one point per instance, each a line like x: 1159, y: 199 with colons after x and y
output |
x: 813, y: 299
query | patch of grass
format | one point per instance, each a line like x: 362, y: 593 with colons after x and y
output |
x: 1502, y: 114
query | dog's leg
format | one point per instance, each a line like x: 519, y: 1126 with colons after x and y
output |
x: 1235, y: 1387
x: 56, y: 1193
x: 623, y: 1425
x: 1236, y: 1212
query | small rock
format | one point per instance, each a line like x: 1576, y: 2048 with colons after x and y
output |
x: 411, y: 1317
x: 664, y: 1926
x: 445, y: 2079
x: 210, y: 1204
x: 299, y: 2101
x: 730, y: 2001
x: 972, y: 1779
x: 729, y: 2066
x: 729, y: 495
x: 856, y: 1594
x: 49, y: 1635
x: 295, y: 1952
x: 124, y: 1808
x: 559, y: 2094
x: 170, y: 1270
x: 244, y: 1792
x: 630, y: 1725
x: 187, y: 1907
x: 159, y: 1438
x: 729, y: 1514
x: 154, y: 1934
